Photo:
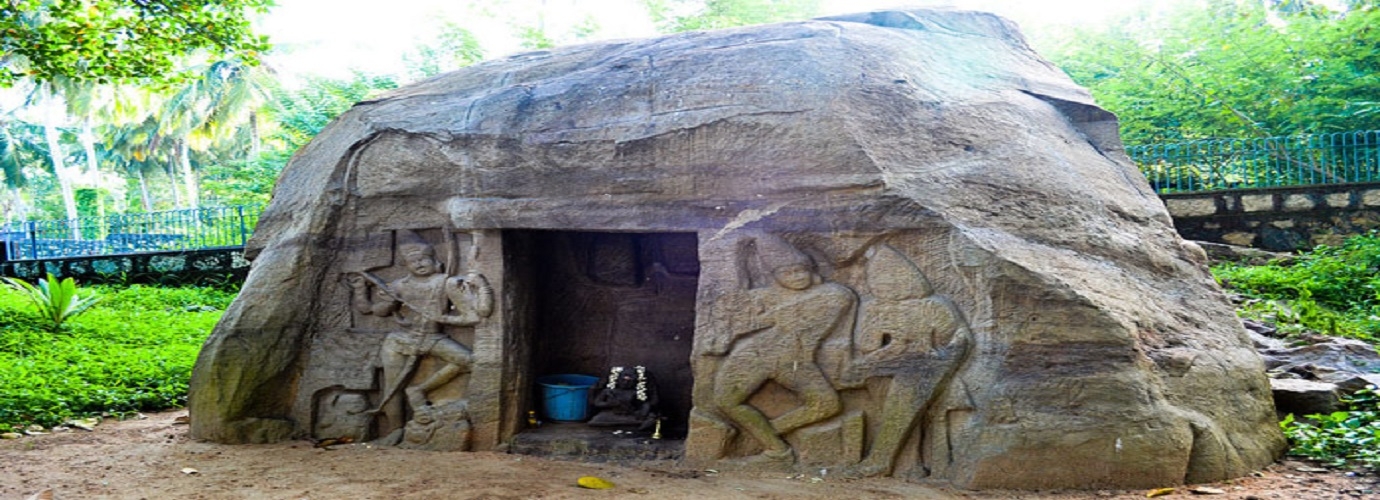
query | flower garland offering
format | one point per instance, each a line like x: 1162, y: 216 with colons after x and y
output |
x: 613, y: 377
x: 641, y: 383
x: 641, y: 380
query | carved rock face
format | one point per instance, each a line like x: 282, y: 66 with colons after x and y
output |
x: 984, y: 290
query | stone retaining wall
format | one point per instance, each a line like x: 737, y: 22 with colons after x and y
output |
x: 1278, y: 219
x: 203, y: 267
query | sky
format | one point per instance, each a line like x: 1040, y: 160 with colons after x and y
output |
x: 331, y: 38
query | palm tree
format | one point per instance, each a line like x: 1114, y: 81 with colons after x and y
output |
x: 132, y: 149
x: 88, y: 103
x: 238, y: 92
x: 21, y: 146
x: 208, y: 110
x: 54, y: 116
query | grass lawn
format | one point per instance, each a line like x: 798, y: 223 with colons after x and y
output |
x: 132, y: 351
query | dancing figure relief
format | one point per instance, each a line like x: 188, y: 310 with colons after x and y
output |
x: 773, y: 334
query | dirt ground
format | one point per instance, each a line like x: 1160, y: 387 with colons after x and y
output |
x: 153, y: 458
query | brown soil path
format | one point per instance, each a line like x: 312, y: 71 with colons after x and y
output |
x: 145, y: 458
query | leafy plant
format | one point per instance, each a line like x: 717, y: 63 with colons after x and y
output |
x: 57, y: 301
x: 1330, y: 290
x: 1343, y: 437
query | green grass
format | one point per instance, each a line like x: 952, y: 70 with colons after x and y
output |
x: 131, y: 352
x: 1330, y: 290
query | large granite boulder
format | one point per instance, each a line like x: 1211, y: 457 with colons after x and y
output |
x: 887, y: 243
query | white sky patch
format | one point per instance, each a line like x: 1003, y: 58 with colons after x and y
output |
x: 1023, y: 11
x: 332, y: 38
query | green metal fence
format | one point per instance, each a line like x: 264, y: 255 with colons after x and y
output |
x: 171, y: 230
x: 1337, y: 158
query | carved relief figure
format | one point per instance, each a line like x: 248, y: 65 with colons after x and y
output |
x: 421, y: 303
x: 910, y: 334
x: 629, y: 398
x: 773, y: 333
x: 439, y: 428
x: 342, y: 416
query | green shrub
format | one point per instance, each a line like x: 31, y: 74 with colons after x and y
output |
x: 56, y: 300
x: 132, y: 352
x: 1330, y: 290
x: 1343, y: 437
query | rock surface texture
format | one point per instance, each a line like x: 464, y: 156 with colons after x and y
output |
x: 885, y: 243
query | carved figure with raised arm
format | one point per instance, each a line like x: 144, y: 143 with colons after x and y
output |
x: 421, y: 303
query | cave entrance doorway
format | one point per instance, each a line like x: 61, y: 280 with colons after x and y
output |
x: 600, y: 300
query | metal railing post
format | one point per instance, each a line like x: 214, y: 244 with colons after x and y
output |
x: 244, y: 231
x: 33, y: 239
x: 1292, y: 160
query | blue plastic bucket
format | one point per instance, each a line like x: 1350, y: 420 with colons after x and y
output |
x: 565, y: 398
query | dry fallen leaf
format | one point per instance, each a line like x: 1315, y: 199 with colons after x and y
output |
x: 333, y: 441
x: 326, y: 442
x: 86, y: 424
x: 1206, y: 490
x: 190, y: 471
x: 1158, y: 492
x: 42, y: 495
x: 594, y: 483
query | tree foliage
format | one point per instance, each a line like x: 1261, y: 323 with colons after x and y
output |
x: 298, y: 115
x: 121, y: 41
x: 21, y: 144
x: 454, y: 47
x: 302, y: 113
x: 1223, y: 68
x: 537, y: 36
x: 674, y: 16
